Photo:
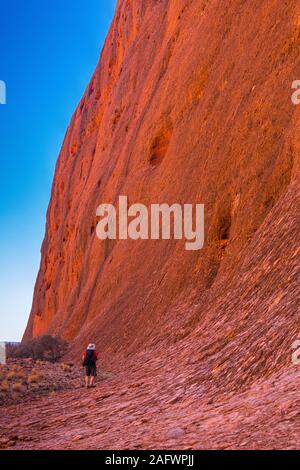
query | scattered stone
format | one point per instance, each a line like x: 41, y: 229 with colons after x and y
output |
x: 175, y: 399
x: 176, y: 433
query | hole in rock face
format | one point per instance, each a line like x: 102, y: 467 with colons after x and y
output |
x: 224, y: 227
x: 269, y: 203
x: 159, y: 147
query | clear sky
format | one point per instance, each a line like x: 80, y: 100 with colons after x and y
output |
x: 48, y: 52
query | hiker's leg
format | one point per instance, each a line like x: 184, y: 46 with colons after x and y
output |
x: 93, y: 375
x: 87, y: 376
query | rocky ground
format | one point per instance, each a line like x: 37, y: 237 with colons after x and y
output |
x: 23, y: 380
x: 143, y: 408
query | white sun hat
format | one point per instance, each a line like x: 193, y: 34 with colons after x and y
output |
x: 91, y: 346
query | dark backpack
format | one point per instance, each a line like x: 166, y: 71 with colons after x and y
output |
x: 89, y: 359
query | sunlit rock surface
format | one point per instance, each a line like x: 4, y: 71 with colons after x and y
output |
x: 190, y: 103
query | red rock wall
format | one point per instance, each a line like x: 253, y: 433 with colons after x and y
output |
x: 190, y: 103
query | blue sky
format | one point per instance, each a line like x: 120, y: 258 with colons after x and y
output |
x: 48, y: 52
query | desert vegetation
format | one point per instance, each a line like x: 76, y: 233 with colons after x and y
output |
x: 22, y: 379
x: 33, y: 368
x: 44, y: 348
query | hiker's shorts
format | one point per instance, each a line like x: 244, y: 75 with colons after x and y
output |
x: 91, y: 371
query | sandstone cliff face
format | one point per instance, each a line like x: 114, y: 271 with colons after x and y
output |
x: 190, y: 103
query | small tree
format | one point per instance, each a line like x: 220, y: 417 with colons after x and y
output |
x: 44, y: 348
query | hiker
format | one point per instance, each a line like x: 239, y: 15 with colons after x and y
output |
x: 89, y: 362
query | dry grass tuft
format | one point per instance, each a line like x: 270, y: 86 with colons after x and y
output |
x: 11, y: 375
x: 18, y: 387
x: 4, y: 386
x: 33, y: 378
x: 20, y: 374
